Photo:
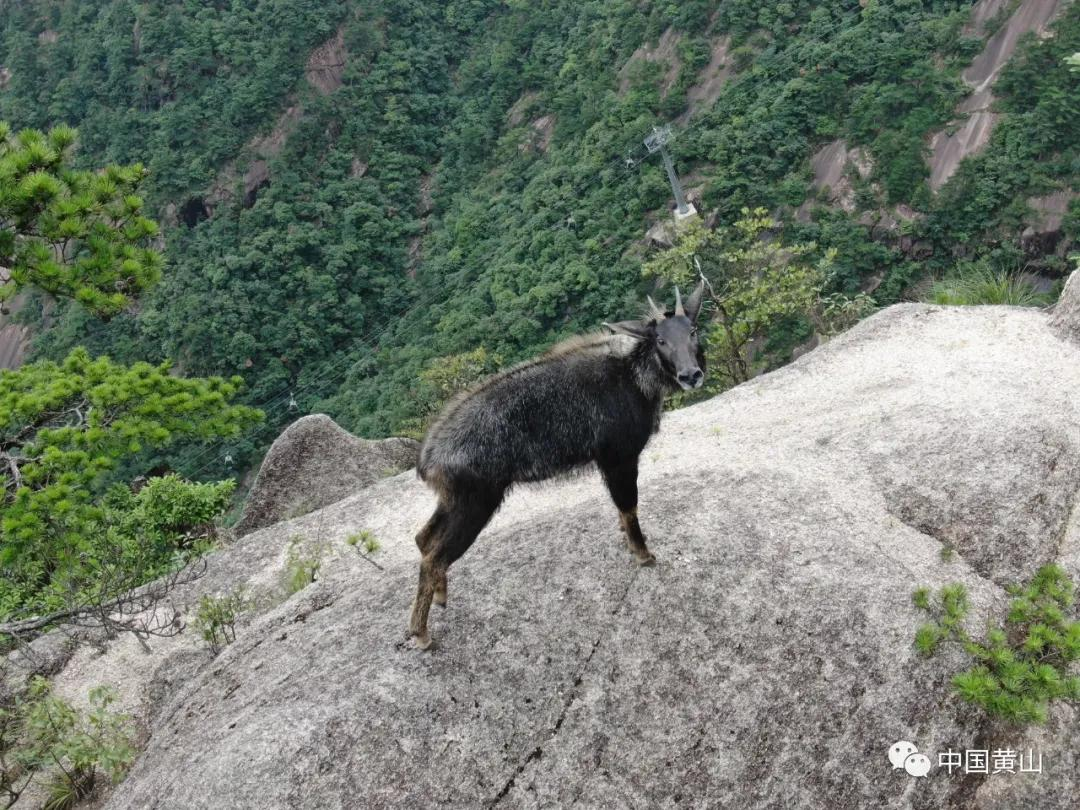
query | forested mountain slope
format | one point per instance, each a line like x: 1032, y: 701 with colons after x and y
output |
x: 351, y: 190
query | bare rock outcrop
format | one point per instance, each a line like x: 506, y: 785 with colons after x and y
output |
x: 324, y: 71
x: 1065, y: 319
x: 767, y: 661
x: 14, y: 341
x: 831, y: 165
x: 326, y: 65
x: 664, y: 53
x: 1043, y: 234
x: 948, y: 149
x: 710, y: 82
x: 14, y: 337
x: 1030, y: 15
x: 314, y: 463
x: 256, y: 175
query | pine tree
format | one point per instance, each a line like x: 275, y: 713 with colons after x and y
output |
x: 74, y: 234
x: 74, y: 539
x: 63, y: 429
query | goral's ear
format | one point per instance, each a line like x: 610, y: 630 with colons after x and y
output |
x: 635, y: 329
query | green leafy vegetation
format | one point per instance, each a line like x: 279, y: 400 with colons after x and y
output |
x: 65, y: 431
x: 43, y: 738
x: 79, y: 535
x: 301, y: 567
x: 752, y: 284
x: 1024, y: 664
x: 837, y: 313
x: 76, y: 234
x: 364, y: 540
x: 216, y: 617
x: 1035, y: 149
x: 982, y: 285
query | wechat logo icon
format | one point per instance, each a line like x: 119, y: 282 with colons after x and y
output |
x: 904, y: 754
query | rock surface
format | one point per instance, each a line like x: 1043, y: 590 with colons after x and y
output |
x: 664, y: 53
x: 765, y: 662
x: 831, y: 164
x: 326, y: 65
x: 706, y: 89
x: 314, y: 463
x: 14, y: 337
x: 1065, y: 319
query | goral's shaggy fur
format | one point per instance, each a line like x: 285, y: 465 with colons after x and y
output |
x: 592, y: 399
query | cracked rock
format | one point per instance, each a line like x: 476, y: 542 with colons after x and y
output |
x: 765, y: 662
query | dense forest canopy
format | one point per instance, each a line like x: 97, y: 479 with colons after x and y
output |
x: 352, y: 190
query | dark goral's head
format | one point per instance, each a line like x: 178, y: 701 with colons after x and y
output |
x: 674, y: 336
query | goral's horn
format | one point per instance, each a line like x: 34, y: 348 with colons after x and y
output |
x: 678, y: 302
x: 654, y: 310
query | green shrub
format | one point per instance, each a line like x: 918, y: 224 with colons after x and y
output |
x: 985, y: 286
x: 64, y: 793
x: 1020, y: 667
x: 73, y: 233
x: 837, y: 313
x: 742, y: 57
x: 43, y: 735
x: 67, y: 431
x: 365, y: 540
x: 754, y: 285
x: 216, y: 618
x: 300, y: 569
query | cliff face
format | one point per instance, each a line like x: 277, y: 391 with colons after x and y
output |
x: 834, y: 165
x: 766, y: 661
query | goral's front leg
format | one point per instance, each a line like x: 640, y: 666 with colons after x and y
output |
x: 635, y: 538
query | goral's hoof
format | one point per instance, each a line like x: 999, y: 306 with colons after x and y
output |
x: 422, y: 642
x: 439, y: 599
x: 646, y: 562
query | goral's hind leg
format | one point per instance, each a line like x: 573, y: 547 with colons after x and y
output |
x: 438, y: 596
x: 442, y: 541
x: 621, y: 480
x: 428, y: 539
x: 425, y: 591
x: 427, y: 536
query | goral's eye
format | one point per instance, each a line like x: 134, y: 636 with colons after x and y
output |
x: 660, y: 341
